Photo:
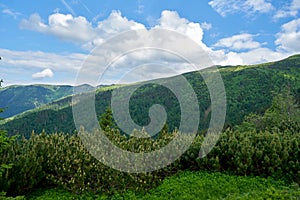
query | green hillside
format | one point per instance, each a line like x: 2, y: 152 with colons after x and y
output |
x: 248, y: 89
x: 17, y: 99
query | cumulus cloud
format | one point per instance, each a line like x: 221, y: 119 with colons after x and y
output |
x: 242, y: 49
x: 238, y: 42
x: 253, y: 56
x: 43, y: 74
x: 225, y: 7
x: 172, y: 21
x: 64, y: 27
x: 128, y: 49
x: 288, y: 39
x: 288, y: 11
x: 78, y: 29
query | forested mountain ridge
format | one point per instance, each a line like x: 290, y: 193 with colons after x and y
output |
x: 249, y: 89
x: 16, y: 99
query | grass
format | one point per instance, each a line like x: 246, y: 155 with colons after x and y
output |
x: 195, y: 185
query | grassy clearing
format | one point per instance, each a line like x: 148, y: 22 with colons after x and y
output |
x: 195, y: 185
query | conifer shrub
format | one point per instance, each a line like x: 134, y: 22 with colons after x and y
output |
x: 61, y: 160
x: 255, y: 153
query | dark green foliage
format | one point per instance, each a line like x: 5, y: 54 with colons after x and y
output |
x: 256, y: 153
x: 106, y: 120
x: 62, y: 160
x: 5, y: 142
x: 26, y: 172
x: 283, y: 116
x: 266, y: 145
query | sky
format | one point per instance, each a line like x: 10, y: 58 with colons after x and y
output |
x: 49, y: 41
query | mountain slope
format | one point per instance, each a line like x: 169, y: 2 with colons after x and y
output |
x: 248, y: 89
x: 17, y: 99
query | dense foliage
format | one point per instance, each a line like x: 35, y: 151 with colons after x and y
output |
x: 62, y: 160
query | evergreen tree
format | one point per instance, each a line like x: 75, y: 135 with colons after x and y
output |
x: 106, y: 120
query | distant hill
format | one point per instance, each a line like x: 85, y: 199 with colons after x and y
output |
x: 248, y: 89
x: 17, y: 99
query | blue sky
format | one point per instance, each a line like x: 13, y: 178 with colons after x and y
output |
x: 48, y: 41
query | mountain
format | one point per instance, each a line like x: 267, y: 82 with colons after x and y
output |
x: 249, y: 89
x: 17, y: 99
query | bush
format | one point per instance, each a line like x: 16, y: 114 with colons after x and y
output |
x: 62, y: 160
x: 256, y: 153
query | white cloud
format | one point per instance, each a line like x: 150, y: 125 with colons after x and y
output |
x: 43, y: 74
x: 253, y: 56
x: 206, y: 26
x: 238, y: 42
x: 11, y: 13
x: 41, y: 60
x: 18, y: 66
x: 225, y: 7
x: 288, y: 11
x: 261, y: 6
x: 261, y: 55
x: 289, y: 38
x: 78, y: 29
x: 172, y: 21
x: 65, y: 27
x: 253, y: 52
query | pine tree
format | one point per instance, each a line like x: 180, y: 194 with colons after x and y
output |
x: 106, y: 120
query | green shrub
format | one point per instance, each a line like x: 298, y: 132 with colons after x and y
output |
x: 62, y: 160
x: 26, y: 171
x: 255, y: 153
